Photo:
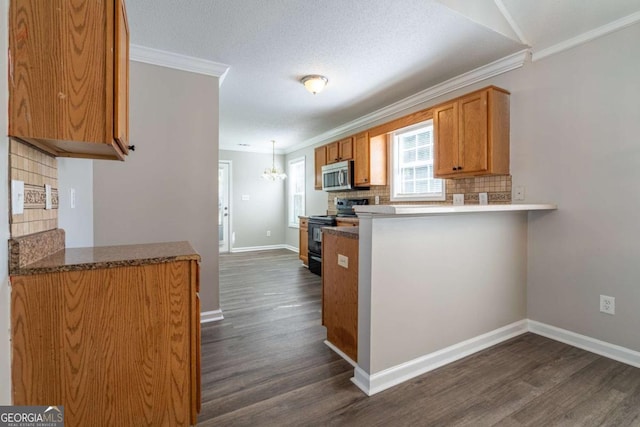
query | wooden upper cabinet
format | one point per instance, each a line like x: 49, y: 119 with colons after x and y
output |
x: 320, y: 159
x: 69, y: 76
x: 340, y: 151
x: 121, y: 91
x: 346, y: 149
x: 370, y: 160
x: 472, y: 135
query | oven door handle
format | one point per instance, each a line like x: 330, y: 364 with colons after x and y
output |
x: 315, y: 258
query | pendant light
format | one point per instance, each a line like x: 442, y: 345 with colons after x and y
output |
x: 273, y: 174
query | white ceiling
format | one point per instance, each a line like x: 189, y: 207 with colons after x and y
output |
x: 374, y: 52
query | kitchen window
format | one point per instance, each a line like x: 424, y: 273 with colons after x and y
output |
x: 412, y: 163
x: 296, y: 190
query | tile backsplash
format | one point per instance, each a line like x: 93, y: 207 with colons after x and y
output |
x: 35, y: 168
x: 498, y: 189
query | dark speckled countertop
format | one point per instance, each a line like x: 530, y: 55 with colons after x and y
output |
x: 349, y: 232
x: 94, y: 258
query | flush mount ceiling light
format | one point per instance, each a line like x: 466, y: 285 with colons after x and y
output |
x: 314, y: 83
x: 273, y: 174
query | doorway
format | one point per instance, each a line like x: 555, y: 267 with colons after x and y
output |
x: 224, y: 196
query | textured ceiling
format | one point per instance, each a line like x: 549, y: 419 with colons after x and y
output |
x: 374, y: 52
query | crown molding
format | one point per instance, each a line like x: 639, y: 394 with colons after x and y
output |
x: 588, y: 36
x: 177, y: 61
x: 512, y: 22
x: 495, y: 68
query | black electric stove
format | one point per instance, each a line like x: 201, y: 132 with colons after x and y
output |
x: 315, y: 240
x: 344, y: 208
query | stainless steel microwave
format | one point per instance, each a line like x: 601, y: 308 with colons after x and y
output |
x: 338, y: 176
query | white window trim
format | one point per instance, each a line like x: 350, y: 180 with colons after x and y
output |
x: 394, y: 172
x: 290, y: 196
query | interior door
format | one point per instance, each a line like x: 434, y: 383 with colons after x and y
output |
x: 224, y: 190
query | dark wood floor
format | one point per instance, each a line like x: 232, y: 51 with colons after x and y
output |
x: 265, y: 365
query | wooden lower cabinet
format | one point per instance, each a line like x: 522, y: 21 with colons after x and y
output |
x: 340, y: 292
x: 115, y: 346
x: 303, y: 246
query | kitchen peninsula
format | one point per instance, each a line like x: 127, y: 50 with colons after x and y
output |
x: 437, y: 283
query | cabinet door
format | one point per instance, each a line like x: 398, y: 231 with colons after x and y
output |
x: 473, y: 141
x: 304, y: 242
x: 340, y: 293
x: 69, y: 62
x: 121, y: 91
x: 80, y: 339
x: 333, y: 152
x: 362, y: 159
x: 445, y: 125
x: 320, y: 159
x: 345, y: 148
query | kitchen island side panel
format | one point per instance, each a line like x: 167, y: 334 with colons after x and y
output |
x: 439, y: 280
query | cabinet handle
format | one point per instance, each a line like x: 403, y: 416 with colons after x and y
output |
x: 132, y: 147
x: 365, y: 180
x: 459, y: 168
x: 454, y: 168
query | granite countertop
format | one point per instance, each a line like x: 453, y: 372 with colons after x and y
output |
x: 74, y: 259
x: 349, y: 232
x: 349, y: 219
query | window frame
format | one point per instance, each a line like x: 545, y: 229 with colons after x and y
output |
x: 293, y: 220
x: 395, y: 170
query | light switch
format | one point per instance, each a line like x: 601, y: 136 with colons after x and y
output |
x: 245, y: 197
x: 47, y: 192
x: 483, y: 198
x: 17, y: 197
x: 343, y: 261
x: 458, y: 199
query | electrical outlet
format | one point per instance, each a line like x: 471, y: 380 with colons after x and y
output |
x: 343, y: 261
x: 483, y: 198
x: 268, y: 233
x: 377, y: 200
x: 607, y: 304
x: 458, y: 199
x: 518, y: 193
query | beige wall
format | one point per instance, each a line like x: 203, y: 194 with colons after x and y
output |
x: 575, y: 127
x: 5, y: 355
x: 266, y: 208
x: 166, y: 190
x: 434, y: 281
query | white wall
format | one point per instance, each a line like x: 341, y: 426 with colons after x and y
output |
x: 266, y: 207
x: 5, y: 345
x: 166, y: 190
x: 315, y: 200
x: 77, y: 222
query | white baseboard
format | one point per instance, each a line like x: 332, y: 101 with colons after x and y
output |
x: 612, y: 351
x: 341, y: 354
x: 211, y: 316
x: 292, y: 248
x: 259, y: 248
x: 375, y: 383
